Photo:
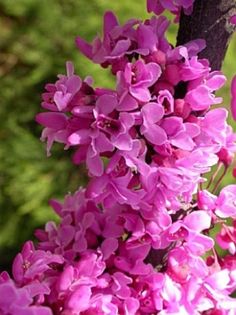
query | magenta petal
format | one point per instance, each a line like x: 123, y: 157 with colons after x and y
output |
x: 123, y: 142
x: 56, y: 205
x: 151, y: 5
x: 106, y: 104
x: 214, y: 124
x: 155, y: 71
x: 152, y: 112
x: 146, y: 37
x: 154, y: 6
x: 168, y: 4
x: 192, y: 130
x: 52, y: 120
x: 17, y: 268
x: 109, y: 22
x: 155, y: 134
x: 200, y: 243
x: 225, y: 204
x: 195, y: 46
x: 216, y: 81
x: 183, y: 141
x: 141, y: 94
x: 131, y: 306
x: 219, y: 280
x: 84, y: 47
x: 201, y: 98
x: 62, y: 99
x: 103, y: 144
x: 94, y: 163
x: 80, y: 154
x: 108, y: 247
x: 99, y: 51
x: 66, y: 278
x: 79, y: 300
x: 172, y: 125
x: 198, y: 221
x: 127, y: 103
x: 73, y: 84
x: 66, y: 234
x: 233, y: 19
x: 121, y: 48
x: 79, y: 137
x: 233, y: 98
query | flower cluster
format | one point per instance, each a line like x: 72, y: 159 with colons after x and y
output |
x: 139, y: 238
x: 174, y: 6
x: 155, y: 127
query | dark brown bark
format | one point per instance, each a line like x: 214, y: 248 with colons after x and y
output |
x: 210, y: 21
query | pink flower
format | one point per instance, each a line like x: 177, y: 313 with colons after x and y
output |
x: 152, y: 114
x: 158, y: 6
x: 18, y: 301
x: 135, y: 240
x: 227, y: 238
x: 137, y: 78
x: 233, y: 97
x: 180, y: 134
x: 116, y: 40
x: 120, y: 43
x: 31, y: 264
x: 225, y: 204
x: 60, y: 95
x: 56, y: 128
x: 201, y: 97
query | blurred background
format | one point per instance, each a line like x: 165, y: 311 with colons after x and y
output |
x: 36, y: 38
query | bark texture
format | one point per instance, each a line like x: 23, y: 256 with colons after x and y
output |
x: 209, y: 20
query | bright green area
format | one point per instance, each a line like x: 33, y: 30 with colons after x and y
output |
x: 36, y: 38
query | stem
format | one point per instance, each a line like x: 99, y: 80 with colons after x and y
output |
x: 213, y: 177
x: 220, y: 179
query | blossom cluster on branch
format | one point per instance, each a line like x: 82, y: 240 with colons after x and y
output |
x: 139, y: 238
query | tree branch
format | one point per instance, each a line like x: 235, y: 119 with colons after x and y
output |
x: 210, y: 21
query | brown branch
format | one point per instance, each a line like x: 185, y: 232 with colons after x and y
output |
x: 209, y: 21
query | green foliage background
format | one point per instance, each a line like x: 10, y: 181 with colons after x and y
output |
x: 36, y: 38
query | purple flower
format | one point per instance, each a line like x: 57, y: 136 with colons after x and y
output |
x: 137, y: 78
